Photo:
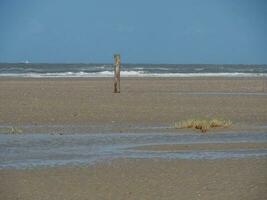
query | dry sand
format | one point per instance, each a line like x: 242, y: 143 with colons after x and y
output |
x: 238, y: 179
x: 142, y: 102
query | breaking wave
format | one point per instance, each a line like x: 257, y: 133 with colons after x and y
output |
x: 129, y: 74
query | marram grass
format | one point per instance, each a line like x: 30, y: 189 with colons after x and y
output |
x: 202, y: 124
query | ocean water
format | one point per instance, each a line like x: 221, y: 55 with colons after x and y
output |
x: 130, y: 70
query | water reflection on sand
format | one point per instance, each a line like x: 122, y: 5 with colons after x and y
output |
x: 30, y: 150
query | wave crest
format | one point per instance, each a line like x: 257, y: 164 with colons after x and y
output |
x: 129, y: 74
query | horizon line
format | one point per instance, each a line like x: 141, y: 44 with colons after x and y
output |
x: 130, y: 63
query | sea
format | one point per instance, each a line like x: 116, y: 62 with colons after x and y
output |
x: 39, y: 70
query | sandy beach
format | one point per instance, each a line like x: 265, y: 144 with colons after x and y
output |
x: 133, y: 100
x: 145, y: 105
x: 237, y: 179
x: 205, y: 146
x: 143, y: 102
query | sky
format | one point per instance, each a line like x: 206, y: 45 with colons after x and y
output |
x: 142, y: 31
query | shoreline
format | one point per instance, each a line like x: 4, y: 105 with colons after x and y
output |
x: 133, y: 74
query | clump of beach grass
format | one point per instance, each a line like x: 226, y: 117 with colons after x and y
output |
x: 203, y: 124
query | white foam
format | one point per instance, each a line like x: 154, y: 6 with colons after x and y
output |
x: 129, y: 74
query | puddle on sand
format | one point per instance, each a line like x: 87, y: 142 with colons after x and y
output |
x: 30, y: 150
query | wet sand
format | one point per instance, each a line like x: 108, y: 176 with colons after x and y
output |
x: 239, y: 179
x: 203, y: 146
x: 143, y: 102
x: 39, y: 150
x: 87, y: 105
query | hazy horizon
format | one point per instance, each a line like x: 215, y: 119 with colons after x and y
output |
x: 129, y: 63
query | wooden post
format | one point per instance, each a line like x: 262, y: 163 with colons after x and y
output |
x: 117, y: 63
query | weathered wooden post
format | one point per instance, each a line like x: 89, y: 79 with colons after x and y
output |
x: 117, y: 63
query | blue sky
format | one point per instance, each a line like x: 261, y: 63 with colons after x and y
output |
x: 142, y: 31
